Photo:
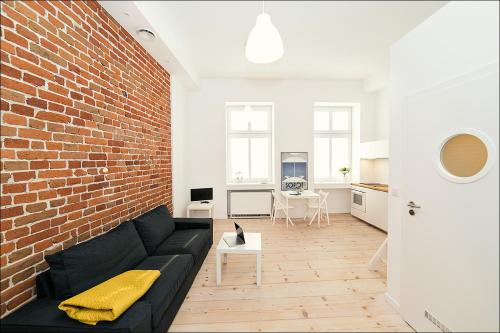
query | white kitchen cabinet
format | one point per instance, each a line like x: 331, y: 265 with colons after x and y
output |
x: 374, y: 149
x: 376, y: 206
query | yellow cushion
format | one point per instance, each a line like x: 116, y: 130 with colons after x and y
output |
x: 108, y: 300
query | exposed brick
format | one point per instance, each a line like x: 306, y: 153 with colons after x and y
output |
x: 64, y: 68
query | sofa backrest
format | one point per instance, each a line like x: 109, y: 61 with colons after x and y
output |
x: 85, y: 265
x: 154, y: 227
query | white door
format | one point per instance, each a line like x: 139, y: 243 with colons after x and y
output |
x: 449, y: 258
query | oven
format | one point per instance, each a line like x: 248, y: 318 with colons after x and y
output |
x: 358, y: 200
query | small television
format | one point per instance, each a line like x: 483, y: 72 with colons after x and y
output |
x: 202, y: 194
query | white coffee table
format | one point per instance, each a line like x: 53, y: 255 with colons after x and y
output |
x: 252, y: 246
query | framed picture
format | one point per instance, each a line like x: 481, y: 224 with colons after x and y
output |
x: 294, y: 171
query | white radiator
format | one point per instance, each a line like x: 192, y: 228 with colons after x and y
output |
x: 249, y: 203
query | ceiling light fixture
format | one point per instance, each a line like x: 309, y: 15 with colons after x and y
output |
x: 146, y: 35
x: 264, y: 44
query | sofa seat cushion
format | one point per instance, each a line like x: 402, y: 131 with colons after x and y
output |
x: 154, y: 227
x: 85, y: 265
x: 173, y: 271
x: 190, y: 241
x: 42, y: 315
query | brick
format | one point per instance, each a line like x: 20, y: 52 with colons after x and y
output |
x: 25, y: 198
x: 55, y: 173
x: 16, y: 165
x: 22, y: 110
x: 16, y: 143
x: 51, y: 116
x: 13, y: 188
x: 34, y: 80
x: 6, y: 213
x: 11, y: 95
x: 36, y: 102
x: 34, y: 134
x: 16, y: 233
x: 36, y: 207
x: 13, y: 119
x: 10, y: 71
x: 8, y: 130
x: 23, y: 176
x: 36, y: 155
x: 37, y: 186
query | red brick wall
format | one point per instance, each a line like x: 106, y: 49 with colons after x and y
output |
x: 78, y: 93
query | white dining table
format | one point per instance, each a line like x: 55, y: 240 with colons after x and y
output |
x: 305, y: 195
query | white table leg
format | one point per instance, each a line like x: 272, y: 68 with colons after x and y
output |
x: 287, y: 218
x: 225, y: 258
x: 218, y: 268
x: 259, y: 269
x: 377, y: 257
x: 319, y: 211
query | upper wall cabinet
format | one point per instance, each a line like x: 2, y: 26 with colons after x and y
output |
x: 374, y: 149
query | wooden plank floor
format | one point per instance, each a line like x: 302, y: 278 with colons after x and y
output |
x: 312, y: 280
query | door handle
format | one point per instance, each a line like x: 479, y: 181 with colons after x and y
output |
x: 411, y: 204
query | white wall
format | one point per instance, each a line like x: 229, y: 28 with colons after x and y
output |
x: 178, y: 98
x: 293, y: 126
x: 455, y: 40
x: 382, y: 114
x: 375, y: 171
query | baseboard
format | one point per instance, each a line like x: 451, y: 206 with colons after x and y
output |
x: 392, y: 302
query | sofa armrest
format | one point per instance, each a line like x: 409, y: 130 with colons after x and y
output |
x: 182, y: 223
x: 42, y: 315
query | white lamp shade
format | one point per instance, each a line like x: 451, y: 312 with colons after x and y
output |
x: 264, y: 44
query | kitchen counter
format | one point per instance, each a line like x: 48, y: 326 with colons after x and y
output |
x: 376, y: 187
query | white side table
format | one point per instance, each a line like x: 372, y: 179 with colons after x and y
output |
x: 200, y: 206
x: 252, y: 246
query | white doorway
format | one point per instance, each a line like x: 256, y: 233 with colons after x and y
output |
x: 443, y: 252
x: 450, y: 235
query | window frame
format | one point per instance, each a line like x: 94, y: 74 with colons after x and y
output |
x: 250, y: 134
x: 332, y: 134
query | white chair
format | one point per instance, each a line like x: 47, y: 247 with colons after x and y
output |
x: 277, y: 206
x: 323, y: 207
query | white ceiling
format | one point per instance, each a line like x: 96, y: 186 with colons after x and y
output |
x: 322, y: 39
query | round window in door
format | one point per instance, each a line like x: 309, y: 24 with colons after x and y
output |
x: 465, y: 156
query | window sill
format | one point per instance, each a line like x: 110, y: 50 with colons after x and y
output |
x: 332, y: 185
x: 250, y: 185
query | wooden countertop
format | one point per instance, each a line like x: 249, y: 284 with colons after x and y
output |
x: 376, y: 187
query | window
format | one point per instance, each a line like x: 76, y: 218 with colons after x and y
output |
x: 332, y: 141
x: 249, y: 142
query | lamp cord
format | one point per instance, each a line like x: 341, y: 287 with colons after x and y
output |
x: 263, y: 6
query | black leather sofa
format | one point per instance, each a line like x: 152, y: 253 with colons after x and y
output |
x: 175, y: 246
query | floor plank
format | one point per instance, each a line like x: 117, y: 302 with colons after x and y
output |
x: 312, y: 280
